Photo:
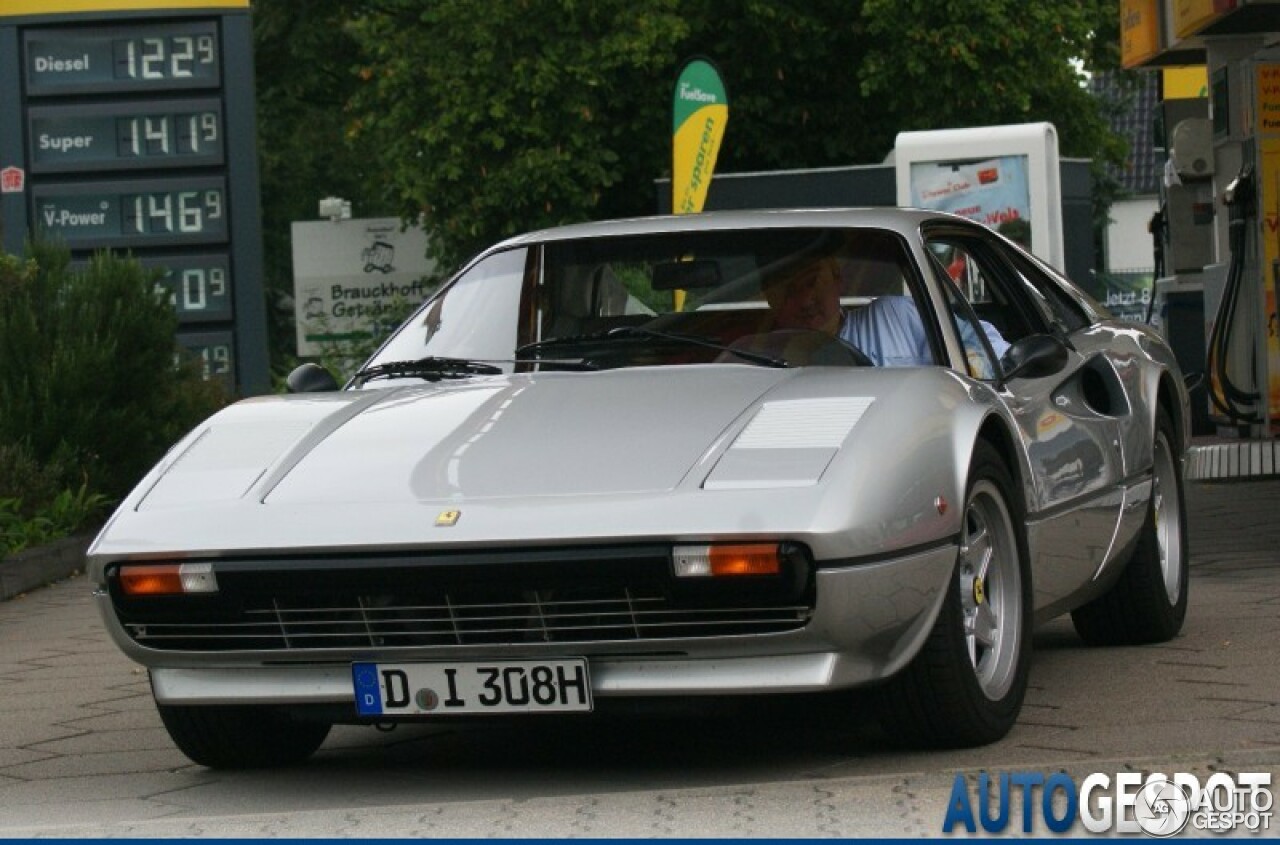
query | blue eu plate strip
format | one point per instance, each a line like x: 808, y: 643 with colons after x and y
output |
x: 368, y: 695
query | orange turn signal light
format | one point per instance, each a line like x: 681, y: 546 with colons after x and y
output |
x: 727, y: 559
x: 167, y: 579
x: 745, y: 559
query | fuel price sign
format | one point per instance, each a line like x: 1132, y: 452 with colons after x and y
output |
x: 126, y: 136
x: 130, y: 126
x: 114, y: 59
x: 162, y: 212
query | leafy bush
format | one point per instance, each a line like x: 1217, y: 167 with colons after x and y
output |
x: 18, y: 532
x: 25, y: 479
x: 89, y: 385
x: 67, y: 513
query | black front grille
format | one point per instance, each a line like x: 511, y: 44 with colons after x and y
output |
x: 579, y: 596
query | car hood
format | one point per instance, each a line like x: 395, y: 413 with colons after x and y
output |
x: 635, y: 455
x: 522, y: 437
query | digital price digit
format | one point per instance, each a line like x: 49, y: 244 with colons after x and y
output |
x: 174, y: 57
x: 216, y: 361
x: 214, y: 352
x: 169, y: 134
x: 197, y: 287
x: 183, y: 212
x: 196, y: 132
x: 199, y: 284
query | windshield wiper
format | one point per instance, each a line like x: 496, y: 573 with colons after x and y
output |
x: 434, y: 368
x: 430, y: 368
x: 634, y: 332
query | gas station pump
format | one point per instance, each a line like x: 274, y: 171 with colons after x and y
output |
x: 1217, y: 230
x: 1243, y: 347
x: 1187, y: 192
x: 1217, y: 241
x: 1183, y: 231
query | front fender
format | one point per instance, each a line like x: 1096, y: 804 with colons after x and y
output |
x: 907, y: 461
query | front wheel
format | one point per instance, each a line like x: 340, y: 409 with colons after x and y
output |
x: 1149, y: 602
x: 241, y: 737
x: 966, y: 685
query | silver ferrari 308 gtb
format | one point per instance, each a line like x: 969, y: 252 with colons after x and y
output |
x: 747, y: 453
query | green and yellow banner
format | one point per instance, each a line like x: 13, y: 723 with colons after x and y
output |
x: 700, y: 110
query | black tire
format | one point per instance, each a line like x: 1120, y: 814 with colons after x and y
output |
x: 959, y: 691
x: 1148, y: 603
x: 241, y: 737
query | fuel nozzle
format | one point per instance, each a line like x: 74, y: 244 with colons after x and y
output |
x: 1239, y: 193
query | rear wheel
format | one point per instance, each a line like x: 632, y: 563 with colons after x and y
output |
x: 241, y: 737
x: 1149, y: 602
x: 966, y: 685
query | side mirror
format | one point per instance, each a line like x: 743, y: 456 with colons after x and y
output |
x: 310, y: 378
x: 1034, y: 356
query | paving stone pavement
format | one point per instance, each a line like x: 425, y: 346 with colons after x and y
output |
x: 82, y: 752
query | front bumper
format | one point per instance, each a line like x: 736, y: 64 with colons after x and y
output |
x: 869, y: 621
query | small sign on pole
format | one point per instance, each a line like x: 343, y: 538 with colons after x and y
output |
x: 13, y: 180
x: 355, y: 278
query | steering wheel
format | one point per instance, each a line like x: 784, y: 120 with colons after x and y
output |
x: 806, y: 347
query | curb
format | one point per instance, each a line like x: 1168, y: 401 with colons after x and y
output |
x: 1244, y: 460
x: 42, y: 565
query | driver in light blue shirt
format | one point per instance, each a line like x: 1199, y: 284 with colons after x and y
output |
x: 888, y: 330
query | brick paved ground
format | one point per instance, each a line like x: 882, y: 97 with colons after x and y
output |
x: 82, y: 752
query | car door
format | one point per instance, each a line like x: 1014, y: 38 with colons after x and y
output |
x: 1069, y: 422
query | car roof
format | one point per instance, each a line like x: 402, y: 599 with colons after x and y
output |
x: 902, y: 220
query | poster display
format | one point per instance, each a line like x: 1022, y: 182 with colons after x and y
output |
x: 992, y: 191
x: 1006, y: 177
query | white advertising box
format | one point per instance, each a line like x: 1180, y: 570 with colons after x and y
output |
x: 1006, y: 177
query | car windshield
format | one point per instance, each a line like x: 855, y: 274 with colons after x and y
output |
x: 671, y: 298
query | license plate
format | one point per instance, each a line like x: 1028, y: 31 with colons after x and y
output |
x: 446, y: 689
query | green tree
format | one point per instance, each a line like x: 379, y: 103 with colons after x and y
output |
x: 494, y: 117
x: 931, y: 64
x: 306, y: 64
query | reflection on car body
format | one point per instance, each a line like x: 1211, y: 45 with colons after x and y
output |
x: 558, y: 483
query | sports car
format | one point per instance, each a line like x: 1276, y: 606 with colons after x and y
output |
x: 749, y: 453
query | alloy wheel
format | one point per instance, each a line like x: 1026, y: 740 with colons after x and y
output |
x: 1165, y: 510
x: 990, y: 590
